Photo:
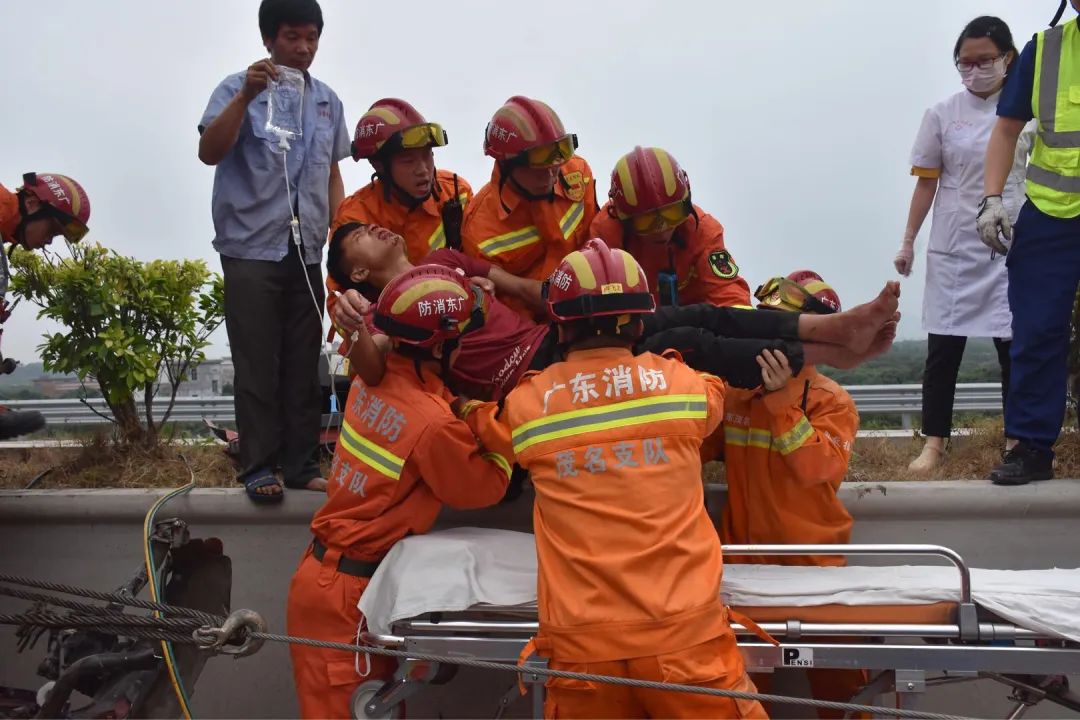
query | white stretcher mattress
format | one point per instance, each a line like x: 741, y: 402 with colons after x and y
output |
x: 462, y: 568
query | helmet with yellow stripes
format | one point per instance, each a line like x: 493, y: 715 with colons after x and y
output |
x: 650, y: 191
x: 801, y: 291
x: 597, y: 281
x: 528, y: 132
x: 62, y: 199
x: 390, y: 125
x: 429, y: 305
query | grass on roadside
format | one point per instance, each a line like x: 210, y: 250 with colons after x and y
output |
x: 970, y: 457
x: 96, y: 463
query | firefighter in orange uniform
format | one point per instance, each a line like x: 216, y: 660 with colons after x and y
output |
x: 786, y: 447
x: 407, y: 195
x: 541, y: 197
x: 680, y: 246
x: 401, y: 455
x: 629, y: 561
x: 46, y: 206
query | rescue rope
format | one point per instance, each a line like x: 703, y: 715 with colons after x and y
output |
x: 58, y: 602
x: 102, y: 624
x: 118, y: 598
x: 608, y: 679
x: 181, y: 630
x: 115, y: 598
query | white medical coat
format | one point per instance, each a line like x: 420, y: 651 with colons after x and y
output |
x: 966, y: 292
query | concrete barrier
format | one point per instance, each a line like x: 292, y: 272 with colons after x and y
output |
x: 92, y: 538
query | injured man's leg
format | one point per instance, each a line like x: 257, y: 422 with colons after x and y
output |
x: 727, y: 341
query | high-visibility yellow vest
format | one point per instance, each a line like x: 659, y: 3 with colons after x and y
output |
x: 1053, y: 179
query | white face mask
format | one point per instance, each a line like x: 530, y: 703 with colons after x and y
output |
x: 984, y: 79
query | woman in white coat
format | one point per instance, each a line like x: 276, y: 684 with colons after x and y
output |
x: 966, y: 291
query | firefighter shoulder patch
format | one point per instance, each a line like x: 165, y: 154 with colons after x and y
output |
x: 575, y: 184
x: 722, y: 265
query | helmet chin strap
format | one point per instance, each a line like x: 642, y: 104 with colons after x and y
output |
x: 392, y: 189
x: 421, y: 356
x: 549, y: 195
x: 505, y: 170
x: 26, y: 218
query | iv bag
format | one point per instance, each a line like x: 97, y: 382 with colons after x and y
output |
x: 285, y: 109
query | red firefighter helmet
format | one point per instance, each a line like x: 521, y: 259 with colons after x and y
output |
x: 395, y: 125
x: 801, y: 291
x: 64, y: 199
x: 597, y: 281
x: 527, y: 131
x: 428, y: 305
x: 650, y: 190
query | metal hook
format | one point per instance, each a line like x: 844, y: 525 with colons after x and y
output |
x: 238, y: 626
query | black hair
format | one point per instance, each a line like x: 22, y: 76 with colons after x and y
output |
x: 335, y: 263
x: 275, y: 13
x: 991, y: 27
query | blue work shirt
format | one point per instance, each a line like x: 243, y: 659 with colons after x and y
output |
x: 249, y: 206
x: 1015, y: 101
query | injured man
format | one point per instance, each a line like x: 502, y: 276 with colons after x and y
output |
x: 725, y: 342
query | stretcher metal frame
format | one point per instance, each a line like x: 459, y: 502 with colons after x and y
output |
x: 907, y: 658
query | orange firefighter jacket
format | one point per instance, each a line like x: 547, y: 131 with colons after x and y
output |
x: 705, y: 271
x: 400, y: 456
x: 528, y: 238
x: 786, y: 453
x: 629, y: 561
x: 9, y: 214
x: 421, y: 226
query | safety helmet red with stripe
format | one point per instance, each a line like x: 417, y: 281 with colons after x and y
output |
x: 390, y: 125
x: 529, y: 131
x: 64, y: 199
x: 801, y: 291
x: 813, y: 283
x: 646, y: 180
x: 429, y: 305
x: 597, y: 281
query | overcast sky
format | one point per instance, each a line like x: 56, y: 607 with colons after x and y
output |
x: 794, y: 120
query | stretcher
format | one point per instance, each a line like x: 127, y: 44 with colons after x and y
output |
x: 470, y: 593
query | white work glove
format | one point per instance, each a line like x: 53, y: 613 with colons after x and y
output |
x: 905, y: 257
x: 992, y: 220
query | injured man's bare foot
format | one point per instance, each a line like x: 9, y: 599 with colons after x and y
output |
x: 856, y: 329
x: 883, y: 341
x: 844, y: 358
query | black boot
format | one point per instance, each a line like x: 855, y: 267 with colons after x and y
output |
x: 14, y: 423
x: 1023, y: 464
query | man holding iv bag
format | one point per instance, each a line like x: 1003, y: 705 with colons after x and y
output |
x: 275, y: 135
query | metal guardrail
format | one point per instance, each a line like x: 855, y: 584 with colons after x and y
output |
x: 76, y: 412
x: 906, y: 400
x: 903, y: 400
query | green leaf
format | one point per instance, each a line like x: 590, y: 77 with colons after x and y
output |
x: 121, y: 316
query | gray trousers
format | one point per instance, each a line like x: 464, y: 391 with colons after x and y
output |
x: 275, y: 334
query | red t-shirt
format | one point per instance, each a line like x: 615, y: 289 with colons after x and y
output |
x: 490, y: 360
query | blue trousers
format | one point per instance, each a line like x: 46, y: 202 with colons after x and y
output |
x: 1044, y: 269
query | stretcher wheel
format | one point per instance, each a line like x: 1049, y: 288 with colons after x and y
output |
x: 363, y: 695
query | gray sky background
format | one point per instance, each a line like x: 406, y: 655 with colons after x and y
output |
x: 793, y: 120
